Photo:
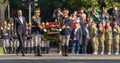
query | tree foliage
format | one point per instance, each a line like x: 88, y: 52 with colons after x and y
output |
x: 1, y: 1
x: 48, y: 6
x: 3, y: 5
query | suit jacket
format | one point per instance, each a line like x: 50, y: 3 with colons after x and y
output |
x: 84, y: 33
x: 20, y: 28
x: 78, y: 34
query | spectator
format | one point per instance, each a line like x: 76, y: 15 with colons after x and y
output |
x: 105, y: 15
x: 85, y: 38
x: 96, y: 16
x: 76, y: 36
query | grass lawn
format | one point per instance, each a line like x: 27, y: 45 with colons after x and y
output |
x: 1, y: 49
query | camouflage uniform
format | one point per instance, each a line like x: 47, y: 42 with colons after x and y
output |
x: 108, y: 39
x: 101, y: 37
x: 116, y: 31
x: 94, y: 38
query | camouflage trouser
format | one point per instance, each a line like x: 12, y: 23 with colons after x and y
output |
x: 60, y: 43
x: 15, y: 45
x: 5, y: 45
x: 65, y: 40
x: 37, y: 40
x: 108, y: 45
x: 95, y: 44
x: 116, y: 45
x: 101, y: 43
x: 30, y: 43
x: 11, y: 43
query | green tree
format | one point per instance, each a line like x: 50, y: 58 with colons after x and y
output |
x: 3, y: 5
x: 48, y: 6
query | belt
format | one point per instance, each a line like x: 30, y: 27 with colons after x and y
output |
x: 68, y: 27
x: 5, y: 34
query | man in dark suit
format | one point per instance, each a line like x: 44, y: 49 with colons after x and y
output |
x: 85, y: 38
x: 20, y: 30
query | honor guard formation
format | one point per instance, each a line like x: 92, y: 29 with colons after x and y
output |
x: 80, y: 33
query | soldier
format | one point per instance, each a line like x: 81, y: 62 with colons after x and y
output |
x: 65, y: 33
x: 101, y: 37
x: 89, y: 47
x: 11, y: 36
x: 116, y: 32
x: 36, y: 26
x: 94, y: 38
x: 26, y: 41
x: 108, y: 37
x: 5, y: 37
x: 10, y: 42
x: 29, y: 38
x: 15, y: 39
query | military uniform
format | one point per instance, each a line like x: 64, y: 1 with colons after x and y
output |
x: 89, y: 47
x: 14, y: 39
x: 10, y: 38
x: 29, y: 39
x: 5, y: 32
x: 65, y: 33
x: 108, y: 39
x: 116, y: 32
x: 101, y: 37
x: 37, y: 33
x: 94, y: 38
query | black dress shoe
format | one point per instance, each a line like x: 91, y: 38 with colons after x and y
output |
x: 39, y: 55
x: 23, y: 54
x: 17, y: 53
x: 66, y: 55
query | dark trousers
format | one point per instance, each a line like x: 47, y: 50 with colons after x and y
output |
x: 21, y: 38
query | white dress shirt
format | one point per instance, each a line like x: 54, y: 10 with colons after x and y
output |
x: 20, y: 17
x: 75, y: 33
x: 87, y: 32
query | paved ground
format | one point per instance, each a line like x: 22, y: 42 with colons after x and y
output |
x: 59, y: 61
x: 55, y: 58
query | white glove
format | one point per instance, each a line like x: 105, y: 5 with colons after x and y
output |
x: 44, y: 30
x: 60, y: 29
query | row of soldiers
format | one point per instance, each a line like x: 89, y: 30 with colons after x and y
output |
x: 10, y: 40
x: 105, y: 36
